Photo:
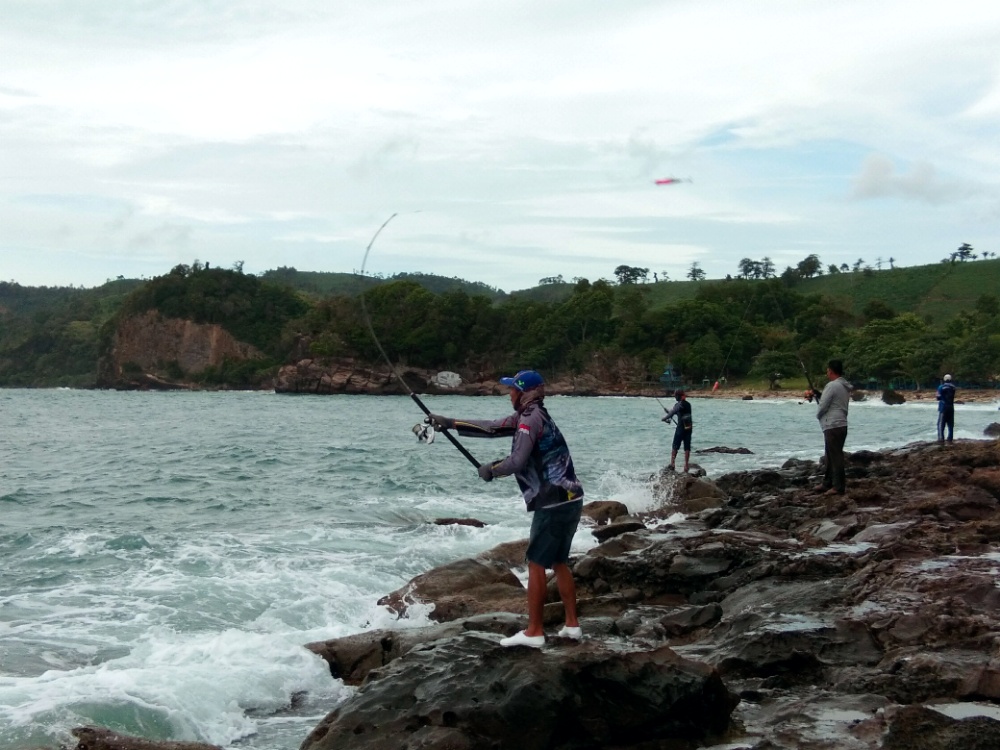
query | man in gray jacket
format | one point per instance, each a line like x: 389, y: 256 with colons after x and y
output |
x: 832, y: 416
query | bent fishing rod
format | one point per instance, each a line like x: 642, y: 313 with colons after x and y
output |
x: 371, y: 329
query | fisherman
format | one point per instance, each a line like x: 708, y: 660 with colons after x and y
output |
x: 685, y: 426
x: 832, y: 416
x: 540, y: 461
x: 946, y: 408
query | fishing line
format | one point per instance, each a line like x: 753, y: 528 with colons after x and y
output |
x: 392, y: 367
x: 784, y: 322
x: 736, y: 336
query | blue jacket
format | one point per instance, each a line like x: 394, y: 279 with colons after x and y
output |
x: 946, y: 396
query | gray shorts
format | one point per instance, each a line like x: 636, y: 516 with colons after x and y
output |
x: 552, y: 531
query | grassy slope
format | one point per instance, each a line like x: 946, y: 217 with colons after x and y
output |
x: 939, y: 291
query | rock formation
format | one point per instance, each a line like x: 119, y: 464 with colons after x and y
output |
x: 149, y: 351
x: 836, y: 621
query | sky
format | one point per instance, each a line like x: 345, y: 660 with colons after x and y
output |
x: 513, y: 141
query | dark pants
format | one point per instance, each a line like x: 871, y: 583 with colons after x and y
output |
x: 834, y: 440
x: 946, y: 419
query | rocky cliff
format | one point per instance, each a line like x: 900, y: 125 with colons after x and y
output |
x: 150, y: 351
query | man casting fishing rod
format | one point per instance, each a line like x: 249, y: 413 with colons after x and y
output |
x: 540, y: 461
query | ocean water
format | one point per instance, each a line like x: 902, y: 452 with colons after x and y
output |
x: 165, y: 556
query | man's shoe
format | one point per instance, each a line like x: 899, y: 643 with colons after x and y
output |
x: 575, y: 633
x: 520, y: 639
x: 671, y: 467
x: 833, y: 491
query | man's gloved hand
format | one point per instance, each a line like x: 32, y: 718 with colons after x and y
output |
x: 440, y: 423
x: 667, y: 419
x: 486, y: 472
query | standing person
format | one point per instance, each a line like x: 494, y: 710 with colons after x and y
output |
x: 540, y: 461
x: 832, y: 416
x: 685, y: 426
x: 946, y: 408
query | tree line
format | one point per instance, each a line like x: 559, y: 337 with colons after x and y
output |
x: 755, y: 326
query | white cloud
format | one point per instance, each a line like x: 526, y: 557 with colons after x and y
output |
x: 285, y: 134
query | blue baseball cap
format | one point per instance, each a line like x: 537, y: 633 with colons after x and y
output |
x: 524, y: 380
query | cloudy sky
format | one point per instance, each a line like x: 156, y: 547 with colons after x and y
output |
x: 515, y: 140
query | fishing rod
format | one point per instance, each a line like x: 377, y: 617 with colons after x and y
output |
x: 671, y: 420
x: 371, y: 330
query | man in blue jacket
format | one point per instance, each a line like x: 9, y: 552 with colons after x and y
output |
x: 540, y: 461
x: 946, y: 408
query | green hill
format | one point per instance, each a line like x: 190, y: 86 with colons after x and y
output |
x: 328, y: 284
x: 936, y: 292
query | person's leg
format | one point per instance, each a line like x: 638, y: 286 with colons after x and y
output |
x: 567, y: 592
x: 687, y: 451
x: 950, y: 421
x: 537, y: 591
x: 940, y: 426
x: 838, y: 436
x: 828, y: 474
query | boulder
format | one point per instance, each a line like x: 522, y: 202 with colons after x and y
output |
x: 893, y: 398
x: 470, y: 692
x: 97, y: 738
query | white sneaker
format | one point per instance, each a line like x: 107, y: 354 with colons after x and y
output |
x: 575, y: 633
x: 520, y: 639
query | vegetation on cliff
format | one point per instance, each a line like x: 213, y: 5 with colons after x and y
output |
x: 892, y: 327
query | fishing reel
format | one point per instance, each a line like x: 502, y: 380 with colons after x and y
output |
x: 424, y: 432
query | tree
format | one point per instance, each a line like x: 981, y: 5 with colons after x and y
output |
x: 774, y: 365
x: 876, y: 309
x: 809, y: 266
x: 963, y: 253
x: 631, y: 274
x: 550, y: 280
x: 767, y: 268
x: 747, y: 268
x: 858, y: 265
x: 832, y: 269
x: 695, y: 273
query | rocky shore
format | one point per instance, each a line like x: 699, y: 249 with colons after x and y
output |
x: 314, y: 376
x: 772, y: 617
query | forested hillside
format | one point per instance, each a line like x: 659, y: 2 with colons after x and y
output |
x: 901, y: 326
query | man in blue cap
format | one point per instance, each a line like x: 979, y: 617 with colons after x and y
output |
x: 540, y: 461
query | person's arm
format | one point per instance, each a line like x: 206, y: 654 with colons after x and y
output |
x: 503, y: 427
x: 529, y: 431
x: 673, y: 412
x: 825, y: 399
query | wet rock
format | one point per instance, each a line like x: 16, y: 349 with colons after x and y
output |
x: 604, y: 511
x: 921, y: 728
x: 460, y: 522
x: 893, y: 398
x: 723, y: 449
x: 603, y: 533
x: 96, y: 738
x: 460, y: 589
x: 992, y: 429
x: 469, y: 692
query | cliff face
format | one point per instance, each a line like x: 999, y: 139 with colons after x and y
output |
x: 148, y: 349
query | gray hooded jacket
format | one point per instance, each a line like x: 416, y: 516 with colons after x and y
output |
x: 833, y: 404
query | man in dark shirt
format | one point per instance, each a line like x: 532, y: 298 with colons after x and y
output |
x: 946, y: 408
x: 685, y: 426
x: 540, y: 461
